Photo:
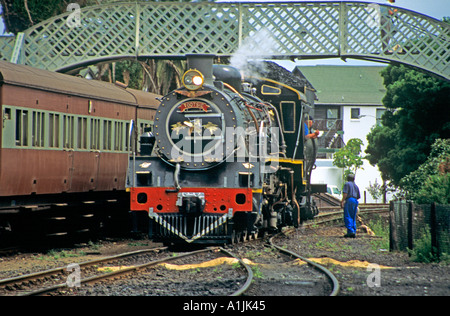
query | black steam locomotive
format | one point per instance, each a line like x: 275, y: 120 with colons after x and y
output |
x: 220, y: 164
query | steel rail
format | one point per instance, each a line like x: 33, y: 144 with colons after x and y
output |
x: 331, y: 277
x: 249, y: 271
x: 42, y: 274
x: 129, y: 270
x: 337, y: 215
x: 116, y: 273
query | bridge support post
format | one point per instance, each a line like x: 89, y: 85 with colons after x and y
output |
x: 17, y: 52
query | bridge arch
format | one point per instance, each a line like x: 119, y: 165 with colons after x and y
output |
x: 303, y: 30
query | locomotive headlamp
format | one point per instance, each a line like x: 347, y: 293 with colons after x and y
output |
x: 193, y: 79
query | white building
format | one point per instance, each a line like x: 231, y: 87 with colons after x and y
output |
x: 349, y: 98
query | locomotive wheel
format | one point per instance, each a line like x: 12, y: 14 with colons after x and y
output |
x: 245, y: 236
x: 6, y: 232
x: 238, y: 236
x: 233, y: 239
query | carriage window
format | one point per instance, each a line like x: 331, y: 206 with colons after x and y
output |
x: 53, y: 127
x: 288, y: 116
x: 107, y: 135
x: 95, y: 134
x: 265, y: 89
x: 21, y: 128
x: 118, y: 129
x: 82, y: 134
x: 127, y: 137
x: 37, y: 129
x: 68, y: 131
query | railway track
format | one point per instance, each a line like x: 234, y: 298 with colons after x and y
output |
x: 59, y: 282
x: 331, y: 214
x: 132, y: 263
x: 156, y: 264
x: 333, y: 280
x: 48, y: 280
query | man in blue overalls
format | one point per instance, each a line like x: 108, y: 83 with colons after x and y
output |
x: 350, y: 204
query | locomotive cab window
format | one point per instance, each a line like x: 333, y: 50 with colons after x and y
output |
x: 288, y: 116
x: 270, y: 90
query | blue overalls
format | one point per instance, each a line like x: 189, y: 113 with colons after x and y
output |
x: 351, y: 207
x: 350, y: 210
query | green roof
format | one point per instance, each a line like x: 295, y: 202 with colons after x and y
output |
x: 346, y: 84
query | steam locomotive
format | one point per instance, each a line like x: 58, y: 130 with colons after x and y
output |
x: 221, y: 164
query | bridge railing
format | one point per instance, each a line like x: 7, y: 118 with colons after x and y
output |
x: 280, y: 30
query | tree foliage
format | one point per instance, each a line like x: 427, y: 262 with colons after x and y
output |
x: 157, y: 76
x: 349, y: 157
x: 431, y: 182
x: 417, y: 105
x: 21, y: 14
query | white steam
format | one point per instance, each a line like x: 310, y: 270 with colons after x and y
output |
x: 254, y: 47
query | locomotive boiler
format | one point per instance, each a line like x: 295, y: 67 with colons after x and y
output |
x: 221, y: 164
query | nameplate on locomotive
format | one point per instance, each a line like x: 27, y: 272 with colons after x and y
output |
x: 195, y: 105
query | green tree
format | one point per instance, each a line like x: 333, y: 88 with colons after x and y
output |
x: 431, y: 182
x: 417, y: 103
x: 22, y: 14
x: 349, y: 157
x: 157, y: 76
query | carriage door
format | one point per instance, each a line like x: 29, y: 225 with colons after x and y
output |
x: 95, y: 152
x: 68, y: 145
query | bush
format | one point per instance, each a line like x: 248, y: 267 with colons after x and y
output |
x: 423, y: 251
x: 430, y: 182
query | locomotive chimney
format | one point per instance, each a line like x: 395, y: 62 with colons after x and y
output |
x: 203, y: 63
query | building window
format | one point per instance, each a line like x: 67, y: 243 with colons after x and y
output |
x: 332, y: 113
x: 354, y: 113
x: 380, y: 113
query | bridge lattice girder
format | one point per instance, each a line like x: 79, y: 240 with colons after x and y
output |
x: 280, y: 30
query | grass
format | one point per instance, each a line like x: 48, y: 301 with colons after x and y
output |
x: 55, y: 255
x: 381, y: 229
